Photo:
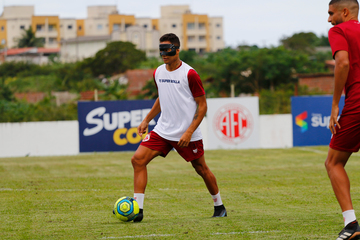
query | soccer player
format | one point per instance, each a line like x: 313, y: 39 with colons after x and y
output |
x: 344, y: 39
x: 182, y: 104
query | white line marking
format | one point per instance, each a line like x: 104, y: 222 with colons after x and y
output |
x: 141, y: 236
x: 312, y: 150
x: 50, y: 190
x: 230, y: 233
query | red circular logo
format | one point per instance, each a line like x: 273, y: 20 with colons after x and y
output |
x: 233, y: 123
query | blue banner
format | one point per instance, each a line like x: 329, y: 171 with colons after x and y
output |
x: 112, y: 125
x: 310, y: 118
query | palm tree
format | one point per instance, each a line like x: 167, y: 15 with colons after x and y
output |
x: 28, y: 39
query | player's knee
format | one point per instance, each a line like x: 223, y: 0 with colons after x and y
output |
x: 326, y: 163
x: 329, y: 163
x: 201, y: 170
x: 136, y: 162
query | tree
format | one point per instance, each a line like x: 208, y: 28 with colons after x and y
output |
x: 188, y: 56
x: 28, y: 39
x: 323, y: 41
x: 303, y: 41
x: 149, y: 91
x: 5, y: 92
x: 115, y: 91
x: 254, y: 69
x: 115, y: 58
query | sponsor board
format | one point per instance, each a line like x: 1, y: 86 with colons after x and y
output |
x: 310, y: 117
x: 112, y: 125
x: 233, y: 123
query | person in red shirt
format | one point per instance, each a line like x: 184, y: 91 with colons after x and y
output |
x: 344, y: 39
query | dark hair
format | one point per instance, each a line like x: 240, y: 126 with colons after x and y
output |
x: 343, y: 1
x: 171, y: 38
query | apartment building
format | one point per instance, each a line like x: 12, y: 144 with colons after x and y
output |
x: 197, y: 32
x: 12, y: 22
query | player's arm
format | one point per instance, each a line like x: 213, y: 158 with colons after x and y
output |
x: 341, y: 73
x: 155, y: 110
x: 198, y: 117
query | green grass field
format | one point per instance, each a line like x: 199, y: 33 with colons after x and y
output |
x: 269, y: 194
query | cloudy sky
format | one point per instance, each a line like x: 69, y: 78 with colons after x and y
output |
x: 260, y: 22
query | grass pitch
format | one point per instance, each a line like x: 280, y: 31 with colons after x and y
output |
x: 269, y: 194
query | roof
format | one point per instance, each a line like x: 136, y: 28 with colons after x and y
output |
x: 314, y: 75
x: 29, y: 50
x: 87, y: 39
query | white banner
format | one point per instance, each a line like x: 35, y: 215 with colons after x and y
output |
x: 233, y: 123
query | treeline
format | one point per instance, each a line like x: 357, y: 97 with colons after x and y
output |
x: 267, y: 72
x: 23, y: 77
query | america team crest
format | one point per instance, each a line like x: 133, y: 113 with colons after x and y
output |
x: 233, y: 123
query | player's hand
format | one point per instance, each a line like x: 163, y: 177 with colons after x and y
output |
x: 334, y: 119
x: 184, y: 140
x: 142, y: 128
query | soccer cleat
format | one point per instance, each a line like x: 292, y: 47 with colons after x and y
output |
x: 220, y: 211
x: 140, y: 216
x: 351, y: 231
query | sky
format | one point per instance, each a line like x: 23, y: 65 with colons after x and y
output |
x: 251, y: 22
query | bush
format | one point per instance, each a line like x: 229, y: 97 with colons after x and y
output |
x: 46, y: 110
x: 276, y: 102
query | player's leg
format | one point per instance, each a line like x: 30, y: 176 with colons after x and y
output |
x: 153, y: 145
x: 139, y: 161
x: 204, y: 171
x: 335, y: 166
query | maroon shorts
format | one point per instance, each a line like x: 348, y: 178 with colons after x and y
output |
x: 153, y: 141
x: 348, y: 137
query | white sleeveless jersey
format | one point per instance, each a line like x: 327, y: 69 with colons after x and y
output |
x: 177, y: 103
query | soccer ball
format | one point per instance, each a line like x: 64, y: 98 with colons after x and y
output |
x: 126, y: 209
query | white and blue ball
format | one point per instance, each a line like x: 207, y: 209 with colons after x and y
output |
x: 126, y: 209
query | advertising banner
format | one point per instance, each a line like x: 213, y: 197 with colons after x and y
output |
x: 233, y: 123
x: 112, y: 125
x: 310, y: 117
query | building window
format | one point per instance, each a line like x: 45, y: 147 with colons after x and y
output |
x: 191, y: 38
x: 218, y: 37
x: 69, y: 26
x: 202, y: 25
x: 116, y: 27
x: 174, y: 25
x: 2, y: 28
x: 52, y: 27
x: 42, y: 40
x: 127, y: 25
x: 52, y: 40
x: 202, y: 50
x: 22, y: 27
x: 99, y: 26
x: 218, y: 25
x: 145, y: 26
x: 39, y: 27
x: 3, y: 41
x: 192, y: 50
x: 191, y: 26
x: 79, y: 28
x: 202, y: 38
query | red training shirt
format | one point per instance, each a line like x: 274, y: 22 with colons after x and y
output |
x: 346, y: 36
